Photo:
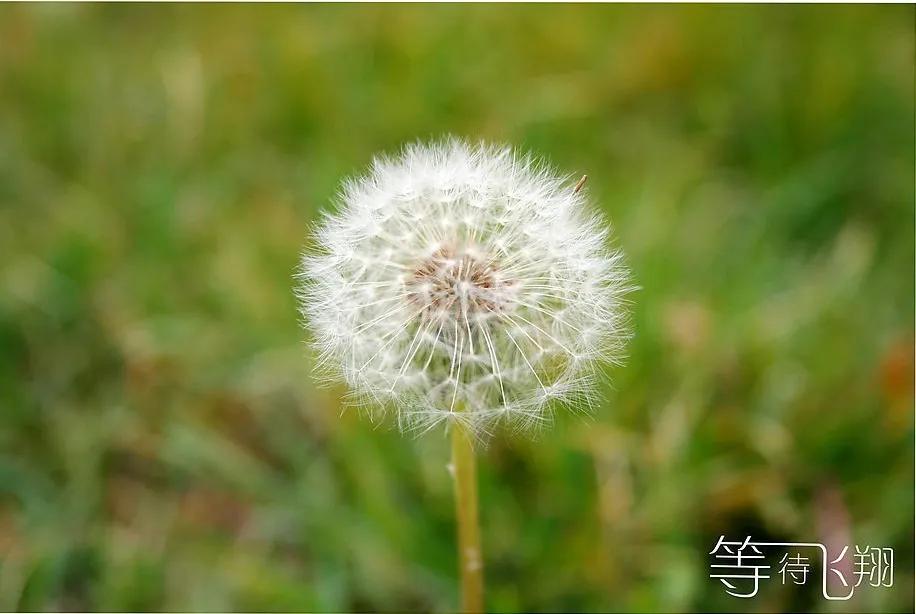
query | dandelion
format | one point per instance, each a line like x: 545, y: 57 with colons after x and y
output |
x: 466, y: 285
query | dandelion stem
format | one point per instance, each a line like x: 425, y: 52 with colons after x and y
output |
x: 470, y: 556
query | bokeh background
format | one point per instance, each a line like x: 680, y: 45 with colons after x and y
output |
x: 162, y: 443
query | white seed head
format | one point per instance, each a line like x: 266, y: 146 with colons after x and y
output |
x: 463, y: 283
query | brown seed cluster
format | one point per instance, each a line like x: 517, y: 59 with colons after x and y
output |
x: 452, y: 281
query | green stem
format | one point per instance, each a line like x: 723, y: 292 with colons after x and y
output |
x: 470, y: 556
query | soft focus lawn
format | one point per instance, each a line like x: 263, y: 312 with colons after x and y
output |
x: 162, y: 444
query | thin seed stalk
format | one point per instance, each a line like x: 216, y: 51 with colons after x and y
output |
x: 470, y: 557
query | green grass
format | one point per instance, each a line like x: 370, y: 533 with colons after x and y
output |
x: 162, y: 444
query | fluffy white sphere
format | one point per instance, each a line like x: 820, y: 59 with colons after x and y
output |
x: 460, y: 282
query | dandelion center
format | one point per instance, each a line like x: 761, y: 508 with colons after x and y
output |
x: 459, y: 282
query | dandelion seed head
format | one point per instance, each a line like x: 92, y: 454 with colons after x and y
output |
x: 467, y: 283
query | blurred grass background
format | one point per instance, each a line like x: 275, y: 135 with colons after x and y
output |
x: 162, y: 445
